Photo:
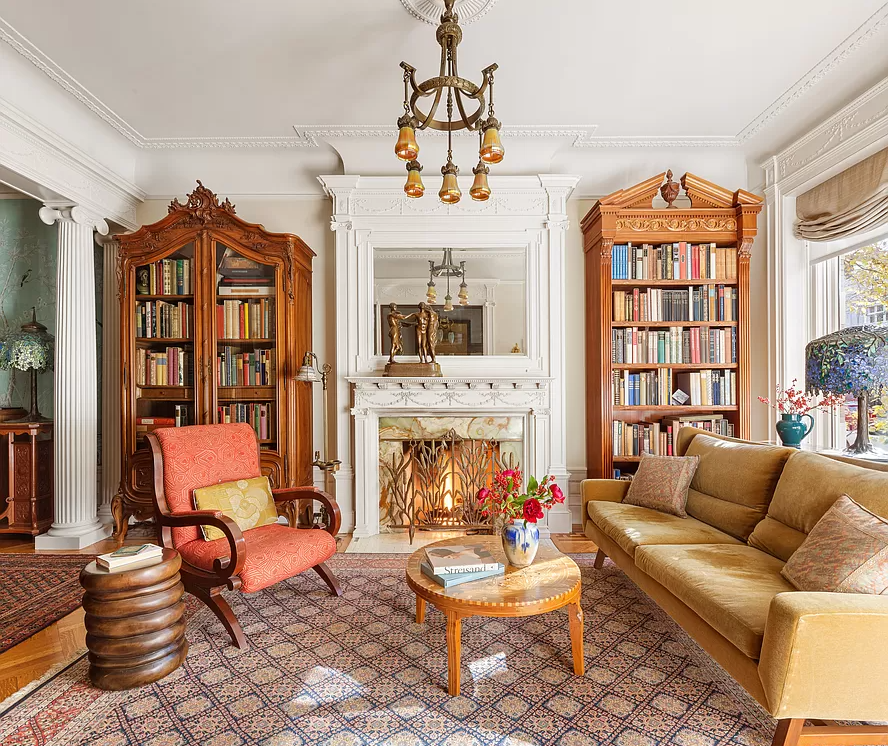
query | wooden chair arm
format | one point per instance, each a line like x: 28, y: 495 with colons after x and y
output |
x: 225, y: 567
x: 287, y: 494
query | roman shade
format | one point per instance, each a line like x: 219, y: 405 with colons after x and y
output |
x: 852, y: 202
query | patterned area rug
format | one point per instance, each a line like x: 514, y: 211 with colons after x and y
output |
x: 358, y: 670
x: 35, y: 591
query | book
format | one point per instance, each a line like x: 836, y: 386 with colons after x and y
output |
x: 460, y: 559
x: 128, y: 555
x: 245, y: 290
x: 453, y: 579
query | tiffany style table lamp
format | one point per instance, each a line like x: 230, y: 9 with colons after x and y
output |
x: 30, y: 349
x: 850, y: 361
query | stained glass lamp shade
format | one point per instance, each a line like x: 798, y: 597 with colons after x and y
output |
x: 851, y: 361
x: 31, y: 350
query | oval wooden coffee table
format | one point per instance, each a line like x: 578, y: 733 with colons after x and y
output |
x: 551, y: 582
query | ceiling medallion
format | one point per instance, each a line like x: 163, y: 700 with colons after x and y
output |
x: 430, y: 10
x: 470, y: 105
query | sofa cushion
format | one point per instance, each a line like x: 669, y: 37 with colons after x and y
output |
x: 734, y: 482
x: 631, y: 526
x: 846, y: 552
x: 729, y: 585
x: 809, y: 486
x: 661, y: 483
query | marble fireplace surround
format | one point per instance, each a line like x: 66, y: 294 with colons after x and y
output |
x: 374, y: 398
x: 527, y: 214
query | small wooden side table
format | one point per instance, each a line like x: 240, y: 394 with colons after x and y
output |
x: 135, y: 622
x: 26, y: 479
x: 551, y: 582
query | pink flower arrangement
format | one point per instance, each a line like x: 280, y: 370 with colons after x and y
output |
x: 505, y: 496
x: 792, y: 400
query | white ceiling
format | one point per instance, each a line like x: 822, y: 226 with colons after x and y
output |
x: 645, y: 68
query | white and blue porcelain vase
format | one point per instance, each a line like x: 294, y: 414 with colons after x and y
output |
x: 520, y: 542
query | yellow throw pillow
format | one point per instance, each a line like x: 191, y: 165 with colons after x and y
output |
x: 248, y: 502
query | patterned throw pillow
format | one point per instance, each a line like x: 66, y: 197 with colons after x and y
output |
x: 846, y: 552
x: 248, y: 502
x: 661, y: 483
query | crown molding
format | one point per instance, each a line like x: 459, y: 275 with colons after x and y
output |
x: 35, y: 153
x: 429, y: 11
x: 690, y: 141
x: 862, y: 34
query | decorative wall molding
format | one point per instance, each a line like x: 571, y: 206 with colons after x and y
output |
x: 429, y: 11
x: 35, y: 153
x: 869, y: 28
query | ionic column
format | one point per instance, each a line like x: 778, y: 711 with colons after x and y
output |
x: 110, y: 379
x: 75, y: 524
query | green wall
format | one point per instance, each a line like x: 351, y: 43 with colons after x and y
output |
x: 28, y: 250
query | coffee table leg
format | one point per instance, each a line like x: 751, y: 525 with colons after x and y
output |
x: 420, y: 610
x: 576, y: 637
x: 454, y: 644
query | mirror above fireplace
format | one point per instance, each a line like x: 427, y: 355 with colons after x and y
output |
x: 487, y: 306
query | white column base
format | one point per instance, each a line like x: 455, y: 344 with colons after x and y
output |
x: 73, y: 537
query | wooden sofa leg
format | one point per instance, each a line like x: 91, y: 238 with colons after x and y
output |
x: 788, y: 732
x: 600, y: 557
x: 329, y: 578
x: 214, y: 599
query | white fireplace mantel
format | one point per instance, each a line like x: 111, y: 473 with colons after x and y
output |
x: 527, y: 213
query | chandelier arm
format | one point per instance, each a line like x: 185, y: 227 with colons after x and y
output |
x: 426, y: 120
x: 462, y: 109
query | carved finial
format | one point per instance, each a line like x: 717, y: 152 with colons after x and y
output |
x: 669, y: 190
x: 202, y: 203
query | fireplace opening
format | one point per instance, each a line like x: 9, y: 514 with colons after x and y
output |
x: 429, y: 481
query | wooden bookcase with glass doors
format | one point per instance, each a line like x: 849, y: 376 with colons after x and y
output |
x: 215, y: 319
x: 667, y: 316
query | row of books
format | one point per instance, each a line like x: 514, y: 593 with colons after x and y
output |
x: 252, y: 319
x: 673, y: 261
x: 677, y: 344
x: 258, y: 415
x: 453, y: 565
x: 166, y: 277
x: 159, y: 320
x: 150, y: 424
x: 704, y: 303
x: 665, y: 387
x: 657, y: 438
x: 172, y: 366
x: 235, y: 368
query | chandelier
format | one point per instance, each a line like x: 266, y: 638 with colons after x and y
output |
x: 447, y: 268
x: 456, y: 90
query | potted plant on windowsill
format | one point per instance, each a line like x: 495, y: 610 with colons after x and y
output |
x: 794, y: 405
x: 519, y: 509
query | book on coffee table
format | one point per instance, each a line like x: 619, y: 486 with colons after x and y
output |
x: 461, y: 558
x: 448, y: 580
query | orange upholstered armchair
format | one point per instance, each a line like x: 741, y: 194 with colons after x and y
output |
x: 187, y: 458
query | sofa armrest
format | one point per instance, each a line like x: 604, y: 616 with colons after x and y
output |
x: 824, y: 656
x: 607, y: 490
x: 288, y: 494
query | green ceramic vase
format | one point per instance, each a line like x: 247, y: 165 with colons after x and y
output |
x: 792, y: 430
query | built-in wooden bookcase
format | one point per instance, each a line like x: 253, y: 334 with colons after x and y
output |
x: 215, y: 319
x: 690, y: 264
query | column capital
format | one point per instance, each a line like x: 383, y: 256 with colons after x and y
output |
x: 50, y: 214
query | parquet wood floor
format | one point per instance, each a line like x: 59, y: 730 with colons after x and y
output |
x: 56, y: 644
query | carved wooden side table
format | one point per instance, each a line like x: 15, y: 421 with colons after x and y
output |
x: 551, y: 582
x: 25, y: 477
x: 135, y: 622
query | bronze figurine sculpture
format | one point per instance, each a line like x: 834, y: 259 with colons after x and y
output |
x: 426, y: 323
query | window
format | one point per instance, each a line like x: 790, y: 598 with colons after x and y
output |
x: 863, y: 299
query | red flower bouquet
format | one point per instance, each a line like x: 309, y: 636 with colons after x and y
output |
x: 795, y: 401
x: 507, y: 498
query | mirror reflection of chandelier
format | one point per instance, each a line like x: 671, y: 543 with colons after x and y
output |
x: 447, y: 268
x: 462, y: 92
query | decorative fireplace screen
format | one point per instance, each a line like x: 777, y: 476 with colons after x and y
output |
x: 430, y: 469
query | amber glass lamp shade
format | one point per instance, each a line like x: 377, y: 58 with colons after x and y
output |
x: 492, y: 150
x: 414, y: 187
x: 480, y: 191
x: 450, y: 193
x: 407, y: 148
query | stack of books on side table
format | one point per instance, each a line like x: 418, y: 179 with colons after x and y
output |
x: 457, y: 564
x: 130, y: 557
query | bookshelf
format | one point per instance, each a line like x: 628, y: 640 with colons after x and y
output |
x: 215, y: 319
x: 667, y: 309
